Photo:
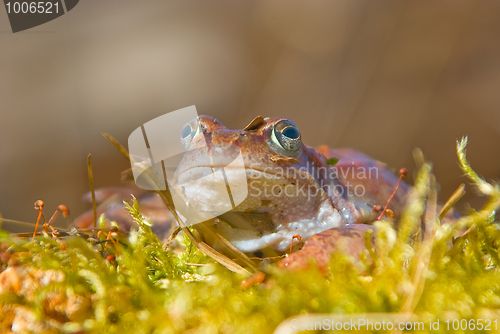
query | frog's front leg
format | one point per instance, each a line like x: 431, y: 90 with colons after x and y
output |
x: 353, y: 212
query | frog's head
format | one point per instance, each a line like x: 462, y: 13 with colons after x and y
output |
x: 284, y: 180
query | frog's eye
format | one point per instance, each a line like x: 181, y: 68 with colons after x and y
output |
x: 189, y: 131
x: 287, y: 136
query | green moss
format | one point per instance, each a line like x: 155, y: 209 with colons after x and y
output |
x: 146, y: 289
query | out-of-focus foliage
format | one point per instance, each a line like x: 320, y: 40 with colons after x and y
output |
x: 448, y: 271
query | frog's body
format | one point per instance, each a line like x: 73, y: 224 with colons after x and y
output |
x: 291, y: 187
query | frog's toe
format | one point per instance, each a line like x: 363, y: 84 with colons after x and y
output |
x: 349, y: 240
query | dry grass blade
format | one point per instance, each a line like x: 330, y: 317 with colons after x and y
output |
x: 172, y: 237
x: 117, y: 145
x: 237, y: 252
x: 454, y: 198
x: 92, y: 188
x: 16, y: 222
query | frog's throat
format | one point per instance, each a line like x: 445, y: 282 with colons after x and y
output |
x: 250, y: 240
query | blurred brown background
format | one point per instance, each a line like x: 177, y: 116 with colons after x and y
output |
x: 383, y: 77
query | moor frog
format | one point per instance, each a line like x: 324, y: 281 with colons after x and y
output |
x: 292, y: 189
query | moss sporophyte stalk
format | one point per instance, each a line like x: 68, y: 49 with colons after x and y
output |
x: 441, y: 275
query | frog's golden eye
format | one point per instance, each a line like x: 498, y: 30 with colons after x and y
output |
x: 189, y: 131
x: 287, y: 136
